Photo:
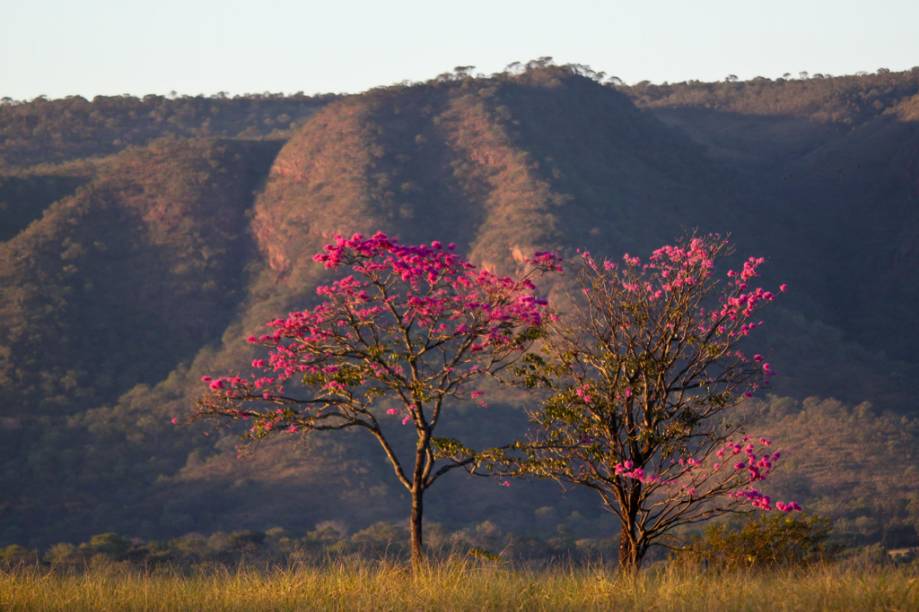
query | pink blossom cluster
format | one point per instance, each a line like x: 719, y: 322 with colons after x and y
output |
x: 761, y: 501
x: 683, y: 266
x: 733, y: 468
x: 627, y: 469
x: 672, y: 271
x: 546, y: 261
x: 583, y: 392
x: 756, y: 466
x: 744, y: 300
x: 669, y: 268
x: 424, y: 295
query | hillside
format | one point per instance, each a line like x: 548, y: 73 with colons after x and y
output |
x: 145, y: 269
x: 53, y: 131
x: 835, y: 161
x: 149, y: 251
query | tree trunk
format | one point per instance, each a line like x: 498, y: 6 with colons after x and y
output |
x: 629, y: 552
x: 417, y: 492
x: 631, y: 546
x: 414, y: 526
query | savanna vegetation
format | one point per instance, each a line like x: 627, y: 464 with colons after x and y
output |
x: 739, y: 567
x: 459, y: 586
x: 143, y: 240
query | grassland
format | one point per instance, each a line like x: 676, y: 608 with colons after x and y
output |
x: 459, y: 586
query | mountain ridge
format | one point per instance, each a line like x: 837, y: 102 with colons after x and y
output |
x: 209, y: 238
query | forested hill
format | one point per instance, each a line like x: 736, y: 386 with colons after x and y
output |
x: 142, y: 240
x: 836, y: 161
x: 71, y: 128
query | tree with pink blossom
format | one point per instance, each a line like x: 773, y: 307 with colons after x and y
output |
x: 639, y: 377
x: 408, y: 331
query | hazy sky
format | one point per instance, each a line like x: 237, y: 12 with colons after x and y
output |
x: 89, y: 47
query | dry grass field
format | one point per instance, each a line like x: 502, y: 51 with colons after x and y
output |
x: 460, y: 586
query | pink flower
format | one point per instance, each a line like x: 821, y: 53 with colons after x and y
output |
x: 174, y: 420
x: 504, y: 483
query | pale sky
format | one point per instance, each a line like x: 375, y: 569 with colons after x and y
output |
x: 89, y: 47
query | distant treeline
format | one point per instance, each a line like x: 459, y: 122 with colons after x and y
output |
x: 848, y: 99
x: 328, y: 540
x: 773, y: 540
x: 43, y: 131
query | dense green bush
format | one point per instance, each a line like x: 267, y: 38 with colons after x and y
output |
x: 768, y: 541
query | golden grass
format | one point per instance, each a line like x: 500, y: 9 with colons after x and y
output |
x: 459, y: 586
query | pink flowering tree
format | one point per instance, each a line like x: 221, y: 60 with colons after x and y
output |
x: 639, y: 376
x: 408, y: 330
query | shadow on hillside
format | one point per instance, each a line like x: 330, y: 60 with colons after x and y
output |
x: 23, y: 199
x: 748, y: 139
